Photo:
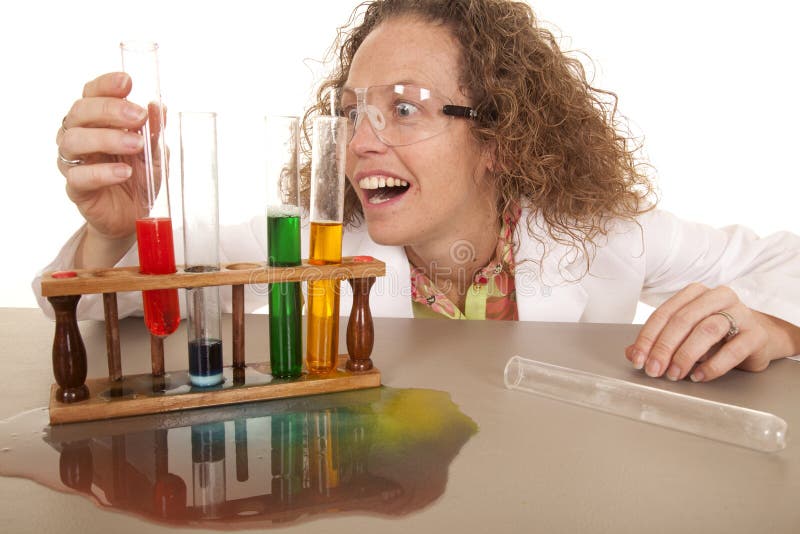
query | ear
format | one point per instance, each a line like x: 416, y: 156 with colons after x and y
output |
x: 489, y: 157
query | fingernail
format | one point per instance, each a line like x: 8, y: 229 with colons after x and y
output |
x: 673, y: 372
x: 639, y: 358
x: 132, y: 140
x: 653, y: 368
x: 697, y: 376
x: 121, y: 80
x: 122, y: 171
x: 134, y: 113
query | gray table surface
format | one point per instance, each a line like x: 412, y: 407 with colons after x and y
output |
x: 535, y: 465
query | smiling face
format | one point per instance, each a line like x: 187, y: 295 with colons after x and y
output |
x: 432, y: 192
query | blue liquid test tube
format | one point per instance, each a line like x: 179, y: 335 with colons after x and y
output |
x: 201, y: 244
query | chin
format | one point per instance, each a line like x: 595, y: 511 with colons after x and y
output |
x: 387, y: 234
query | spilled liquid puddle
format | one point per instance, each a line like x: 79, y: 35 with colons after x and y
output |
x: 377, y: 451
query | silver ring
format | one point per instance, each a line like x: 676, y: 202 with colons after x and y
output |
x: 71, y: 162
x: 734, y: 329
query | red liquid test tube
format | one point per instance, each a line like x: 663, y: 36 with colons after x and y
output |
x: 154, y: 223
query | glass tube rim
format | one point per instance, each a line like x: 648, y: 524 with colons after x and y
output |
x: 190, y: 113
x: 138, y: 45
x: 269, y: 116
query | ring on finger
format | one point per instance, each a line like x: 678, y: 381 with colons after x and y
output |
x: 66, y: 161
x: 733, y: 327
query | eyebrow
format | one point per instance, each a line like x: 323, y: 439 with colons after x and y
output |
x: 398, y: 82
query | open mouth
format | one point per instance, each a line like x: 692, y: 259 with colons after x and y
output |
x: 380, y: 189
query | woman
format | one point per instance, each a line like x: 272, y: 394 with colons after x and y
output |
x: 491, y: 178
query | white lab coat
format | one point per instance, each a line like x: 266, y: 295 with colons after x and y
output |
x: 648, y: 261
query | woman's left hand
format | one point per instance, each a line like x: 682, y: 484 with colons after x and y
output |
x: 702, y: 333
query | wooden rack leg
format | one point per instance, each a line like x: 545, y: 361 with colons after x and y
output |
x: 112, y: 337
x: 75, y: 466
x: 237, y: 295
x: 360, y: 329
x: 69, y: 353
x: 242, y: 467
x: 119, y: 471
x: 162, y: 451
x: 157, y: 355
x: 238, y: 376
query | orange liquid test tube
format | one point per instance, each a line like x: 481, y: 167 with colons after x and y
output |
x: 323, y: 299
x: 329, y: 146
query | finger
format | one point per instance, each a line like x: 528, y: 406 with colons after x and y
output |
x: 156, y: 122
x: 637, y: 353
x: 116, y: 84
x: 84, y: 180
x: 703, y: 337
x: 104, y: 112
x: 77, y: 142
x: 732, y: 353
x: 681, y: 324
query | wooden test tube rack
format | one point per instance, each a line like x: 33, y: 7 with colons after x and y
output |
x: 73, y: 398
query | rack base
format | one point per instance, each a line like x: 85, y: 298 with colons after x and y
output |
x: 146, y: 394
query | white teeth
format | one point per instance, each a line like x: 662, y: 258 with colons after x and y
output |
x: 378, y: 200
x: 377, y: 182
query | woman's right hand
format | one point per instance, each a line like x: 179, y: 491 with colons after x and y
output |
x: 100, y: 132
x: 104, y: 163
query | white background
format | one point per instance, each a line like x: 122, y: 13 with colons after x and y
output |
x: 710, y: 84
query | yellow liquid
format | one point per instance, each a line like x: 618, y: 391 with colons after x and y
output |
x: 322, y: 343
x: 324, y: 452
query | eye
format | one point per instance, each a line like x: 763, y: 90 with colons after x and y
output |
x: 350, y: 113
x: 405, y: 110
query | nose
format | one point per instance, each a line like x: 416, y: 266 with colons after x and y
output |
x: 364, y: 139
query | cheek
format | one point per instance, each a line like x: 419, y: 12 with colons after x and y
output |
x: 349, y: 164
x: 453, y: 168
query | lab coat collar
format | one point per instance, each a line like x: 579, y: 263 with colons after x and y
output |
x: 542, y: 293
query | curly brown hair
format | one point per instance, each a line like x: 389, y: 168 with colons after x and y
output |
x: 559, y: 145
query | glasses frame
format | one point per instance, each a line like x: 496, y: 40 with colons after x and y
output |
x: 450, y: 109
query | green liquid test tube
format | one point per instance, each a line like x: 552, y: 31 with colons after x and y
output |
x: 283, y: 246
x: 285, y: 305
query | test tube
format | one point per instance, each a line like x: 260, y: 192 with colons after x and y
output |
x: 288, y: 441
x: 201, y: 244
x: 153, y: 220
x: 283, y: 246
x: 328, y: 149
x: 208, y: 469
x: 723, y: 422
x: 324, y: 451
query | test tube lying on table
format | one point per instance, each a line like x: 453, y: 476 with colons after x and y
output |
x: 723, y: 422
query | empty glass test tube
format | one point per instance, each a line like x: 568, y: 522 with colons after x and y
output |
x: 201, y: 244
x: 283, y: 245
x: 328, y: 150
x: 761, y: 431
x: 153, y: 220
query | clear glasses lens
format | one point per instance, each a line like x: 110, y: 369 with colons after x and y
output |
x: 399, y: 114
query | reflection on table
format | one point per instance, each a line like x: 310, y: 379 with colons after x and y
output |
x: 384, y: 451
